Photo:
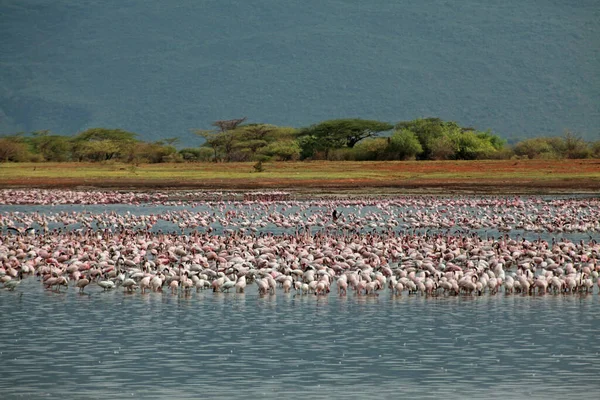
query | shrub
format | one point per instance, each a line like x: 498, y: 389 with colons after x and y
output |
x: 404, y: 145
x: 197, y: 154
x: 14, y: 150
x: 595, y: 149
x: 282, y: 150
x: 537, y: 148
x: 370, y: 149
x: 258, y: 167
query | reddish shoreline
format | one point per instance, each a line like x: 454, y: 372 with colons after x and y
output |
x: 350, y: 186
x: 314, y: 177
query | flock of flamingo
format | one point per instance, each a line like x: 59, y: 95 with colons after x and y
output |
x: 414, y: 245
x: 59, y: 197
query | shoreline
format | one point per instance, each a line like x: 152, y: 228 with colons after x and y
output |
x: 324, y: 189
x: 486, y: 177
x: 366, y: 190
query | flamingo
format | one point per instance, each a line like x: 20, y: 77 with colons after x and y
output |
x: 13, y: 283
x: 82, y: 283
x: 240, y: 285
x: 106, y: 285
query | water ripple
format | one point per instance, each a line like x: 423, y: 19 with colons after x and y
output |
x: 113, y: 345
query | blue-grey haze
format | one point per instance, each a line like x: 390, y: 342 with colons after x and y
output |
x: 519, y: 67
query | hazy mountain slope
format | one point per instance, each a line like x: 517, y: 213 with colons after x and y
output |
x: 159, y: 68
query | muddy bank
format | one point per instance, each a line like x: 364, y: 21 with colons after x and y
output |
x: 325, y: 188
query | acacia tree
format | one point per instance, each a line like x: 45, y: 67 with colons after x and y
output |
x: 220, y: 140
x: 228, y: 124
x: 51, y: 147
x: 234, y: 141
x: 100, y: 144
x: 254, y: 140
x: 253, y: 137
x: 347, y: 131
x: 13, y: 149
x: 337, y: 133
x: 222, y: 143
x: 172, y: 141
x: 98, y: 150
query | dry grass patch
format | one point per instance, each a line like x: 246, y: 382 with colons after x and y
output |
x: 570, y: 175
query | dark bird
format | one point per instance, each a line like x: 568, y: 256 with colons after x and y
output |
x: 27, y: 231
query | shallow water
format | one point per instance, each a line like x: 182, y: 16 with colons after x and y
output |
x: 298, y: 212
x: 227, y: 345
x: 113, y: 345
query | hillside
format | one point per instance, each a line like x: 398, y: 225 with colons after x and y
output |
x: 158, y: 68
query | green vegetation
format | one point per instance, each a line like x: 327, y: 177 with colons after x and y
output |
x: 235, y: 142
x: 338, y: 133
x: 91, y: 145
x: 332, y: 140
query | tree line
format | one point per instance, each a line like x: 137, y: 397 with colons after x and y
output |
x: 337, y: 140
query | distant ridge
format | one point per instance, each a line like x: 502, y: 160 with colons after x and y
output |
x: 521, y: 68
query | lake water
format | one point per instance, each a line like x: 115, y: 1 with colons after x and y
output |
x: 227, y: 345
x: 206, y: 345
x: 296, y: 214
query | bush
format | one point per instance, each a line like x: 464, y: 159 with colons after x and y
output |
x: 370, y: 149
x: 343, y: 154
x: 575, y: 146
x: 595, y: 149
x: 258, y: 167
x: 404, y: 145
x: 503, y: 154
x: 282, y: 150
x: 14, y: 150
x: 35, y: 158
x: 172, y: 158
x: 152, y: 153
x: 537, y: 148
x: 442, y: 148
x: 198, y: 154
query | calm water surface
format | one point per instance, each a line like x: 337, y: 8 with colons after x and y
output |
x: 113, y: 345
x: 227, y: 345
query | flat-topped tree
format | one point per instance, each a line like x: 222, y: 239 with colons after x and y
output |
x: 51, y: 147
x: 347, y: 131
x: 254, y: 136
x: 235, y: 141
x: 257, y: 131
x: 221, y: 140
x: 99, y: 134
x: 228, y: 124
x: 337, y: 133
x: 222, y: 143
x: 172, y: 141
x: 102, y: 144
